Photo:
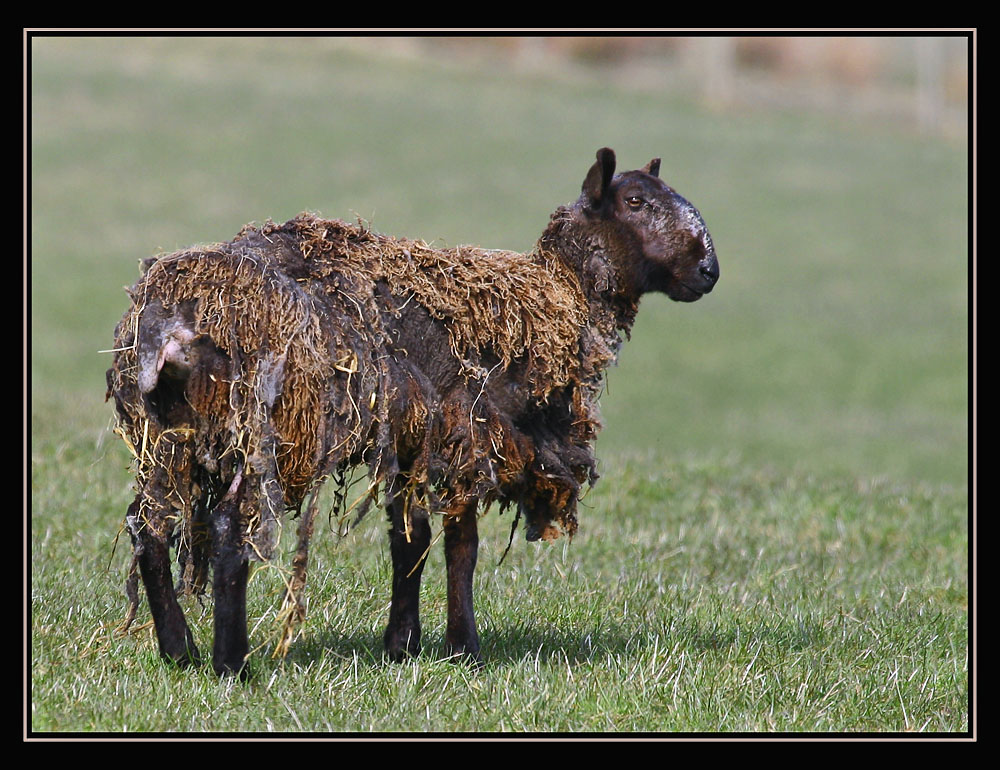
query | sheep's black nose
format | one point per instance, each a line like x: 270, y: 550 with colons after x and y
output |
x: 709, y: 269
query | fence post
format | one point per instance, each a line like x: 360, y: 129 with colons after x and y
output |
x: 719, y: 60
x: 930, y: 83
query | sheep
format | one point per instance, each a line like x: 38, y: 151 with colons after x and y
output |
x: 247, y: 373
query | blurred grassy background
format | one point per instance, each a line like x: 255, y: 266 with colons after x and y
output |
x: 836, y: 341
x: 787, y: 459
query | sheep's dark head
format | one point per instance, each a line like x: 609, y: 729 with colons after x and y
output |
x: 656, y: 239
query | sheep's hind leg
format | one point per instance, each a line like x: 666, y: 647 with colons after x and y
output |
x: 461, y: 546
x: 229, y: 586
x: 409, y: 540
x: 175, y: 640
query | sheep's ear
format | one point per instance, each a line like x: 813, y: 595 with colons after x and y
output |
x: 598, y: 180
x: 653, y: 167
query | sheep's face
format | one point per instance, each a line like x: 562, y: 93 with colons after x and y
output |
x: 678, y: 257
x: 662, y: 240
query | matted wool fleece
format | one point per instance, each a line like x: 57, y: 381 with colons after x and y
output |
x: 297, y: 384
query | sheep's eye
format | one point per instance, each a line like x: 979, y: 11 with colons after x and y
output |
x: 634, y: 202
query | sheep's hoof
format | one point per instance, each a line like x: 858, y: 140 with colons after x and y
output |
x: 241, y: 670
x: 185, y: 657
x: 466, y: 654
x: 401, y: 654
x: 401, y: 645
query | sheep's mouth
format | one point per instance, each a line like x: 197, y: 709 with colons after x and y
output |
x: 682, y: 292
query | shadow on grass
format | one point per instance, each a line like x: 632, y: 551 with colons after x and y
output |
x: 574, y: 644
x: 504, y: 646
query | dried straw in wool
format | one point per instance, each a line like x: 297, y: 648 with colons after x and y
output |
x: 298, y: 382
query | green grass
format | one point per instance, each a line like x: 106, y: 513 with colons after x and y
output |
x: 698, y: 596
x: 779, y: 541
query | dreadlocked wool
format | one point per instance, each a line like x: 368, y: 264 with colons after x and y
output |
x: 295, y: 378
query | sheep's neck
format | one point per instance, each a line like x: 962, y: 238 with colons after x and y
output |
x: 611, y: 295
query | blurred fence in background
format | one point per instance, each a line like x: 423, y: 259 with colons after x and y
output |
x: 920, y: 80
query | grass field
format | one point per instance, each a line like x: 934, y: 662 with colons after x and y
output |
x: 780, y: 538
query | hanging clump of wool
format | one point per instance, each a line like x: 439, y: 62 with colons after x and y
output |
x: 270, y: 359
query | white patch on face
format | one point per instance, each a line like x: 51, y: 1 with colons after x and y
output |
x: 693, y: 222
x: 707, y: 240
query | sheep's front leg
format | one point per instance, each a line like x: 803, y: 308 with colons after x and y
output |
x: 229, y: 585
x: 461, y: 547
x: 172, y: 633
x: 409, y: 540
